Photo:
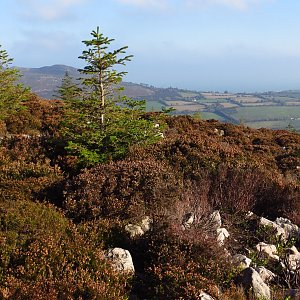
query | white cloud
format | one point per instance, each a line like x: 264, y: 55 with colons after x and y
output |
x: 48, y: 10
x: 237, y: 4
x: 147, y: 3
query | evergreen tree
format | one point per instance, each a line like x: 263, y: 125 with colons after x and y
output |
x: 69, y: 90
x: 89, y: 136
x: 12, y: 93
x: 102, y: 77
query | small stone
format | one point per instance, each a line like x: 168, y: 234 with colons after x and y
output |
x: 241, y: 261
x: 268, y: 249
x: 222, y: 235
x: 121, y: 259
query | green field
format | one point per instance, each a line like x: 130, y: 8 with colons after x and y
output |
x: 188, y: 94
x: 267, y: 113
x: 294, y: 124
x: 206, y: 100
x: 209, y: 115
x: 286, y: 99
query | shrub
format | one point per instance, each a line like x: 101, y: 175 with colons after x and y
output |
x: 43, y: 256
x: 180, y: 264
x: 24, y: 168
x: 236, y: 190
x: 124, y: 189
x: 40, y: 116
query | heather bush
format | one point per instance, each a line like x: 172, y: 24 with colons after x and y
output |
x: 193, y: 169
x: 2, y: 128
x: 236, y: 190
x: 106, y: 232
x: 124, y: 189
x: 191, y: 143
x: 279, y: 199
x: 180, y: 264
x: 25, y: 170
x: 39, y: 116
x: 43, y: 256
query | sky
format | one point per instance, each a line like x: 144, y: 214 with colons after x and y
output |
x: 203, y: 45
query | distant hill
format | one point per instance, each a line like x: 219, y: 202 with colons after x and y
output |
x: 45, y: 81
x: 277, y: 110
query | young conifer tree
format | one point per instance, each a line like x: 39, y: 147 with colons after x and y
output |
x: 69, y: 89
x: 101, y: 75
x: 101, y: 124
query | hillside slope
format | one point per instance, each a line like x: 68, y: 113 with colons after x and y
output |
x: 58, y: 222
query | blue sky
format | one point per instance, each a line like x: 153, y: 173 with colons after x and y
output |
x: 235, y: 45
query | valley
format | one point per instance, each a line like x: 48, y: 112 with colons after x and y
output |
x: 275, y: 110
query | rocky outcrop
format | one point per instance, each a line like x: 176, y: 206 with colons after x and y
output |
x: 283, y: 228
x: 252, y: 277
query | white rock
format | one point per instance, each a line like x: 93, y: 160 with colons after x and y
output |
x: 215, y: 219
x: 252, y: 280
x: 219, y: 132
x: 265, y: 274
x: 279, y: 231
x: 292, y: 261
x: 293, y: 250
x: 204, y: 296
x: 121, y: 259
x: 139, y: 229
x: 134, y: 230
x: 249, y: 214
x: 241, y: 261
x: 146, y: 224
x: 222, y: 235
x: 290, y: 229
x: 269, y: 249
x: 188, y: 220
